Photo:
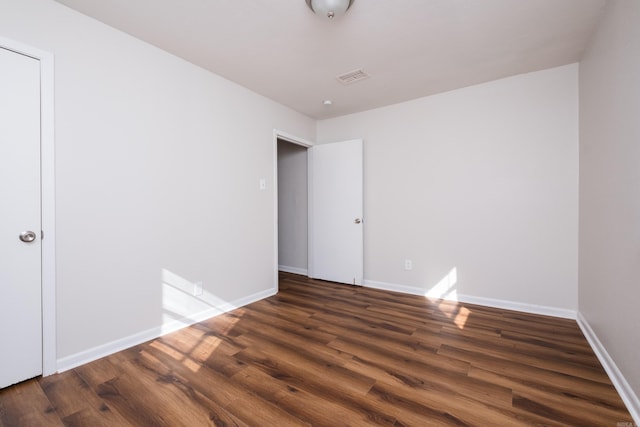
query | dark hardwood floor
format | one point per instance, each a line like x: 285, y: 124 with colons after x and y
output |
x: 325, y: 354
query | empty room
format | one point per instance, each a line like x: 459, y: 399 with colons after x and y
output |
x: 319, y: 212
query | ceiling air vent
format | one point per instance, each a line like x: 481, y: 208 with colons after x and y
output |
x: 352, y: 77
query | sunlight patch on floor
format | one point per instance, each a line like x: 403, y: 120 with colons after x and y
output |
x: 445, y: 295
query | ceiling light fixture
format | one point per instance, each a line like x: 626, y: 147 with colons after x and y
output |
x: 329, y: 8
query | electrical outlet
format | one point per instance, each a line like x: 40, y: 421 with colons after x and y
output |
x: 408, y: 264
x: 197, y: 289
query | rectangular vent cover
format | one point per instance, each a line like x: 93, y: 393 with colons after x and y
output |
x: 352, y: 77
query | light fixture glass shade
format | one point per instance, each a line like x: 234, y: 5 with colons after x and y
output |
x: 329, y: 8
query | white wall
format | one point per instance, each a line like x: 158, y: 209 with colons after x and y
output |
x: 156, y: 179
x: 477, y: 186
x: 609, y: 272
x: 292, y: 207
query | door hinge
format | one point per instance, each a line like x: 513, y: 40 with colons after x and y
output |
x: 41, y: 234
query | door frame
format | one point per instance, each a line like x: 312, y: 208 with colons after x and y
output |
x: 47, y: 194
x: 277, y: 134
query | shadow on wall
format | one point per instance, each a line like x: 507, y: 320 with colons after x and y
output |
x: 445, y: 296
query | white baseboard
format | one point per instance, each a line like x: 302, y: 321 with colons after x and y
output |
x: 519, y: 306
x: 620, y: 383
x: 294, y: 270
x: 86, y: 356
x: 412, y: 290
x: 489, y: 302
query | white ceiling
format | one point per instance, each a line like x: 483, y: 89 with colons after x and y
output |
x: 411, y: 48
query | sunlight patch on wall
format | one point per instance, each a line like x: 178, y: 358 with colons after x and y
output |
x: 182, y: 302
x: 445, y: 289
x: 178, y: 300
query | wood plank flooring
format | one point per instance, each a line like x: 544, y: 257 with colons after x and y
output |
x: 325, y: 354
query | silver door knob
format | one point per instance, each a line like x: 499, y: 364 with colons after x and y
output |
x: 27, y: 236
x: 358, y: 221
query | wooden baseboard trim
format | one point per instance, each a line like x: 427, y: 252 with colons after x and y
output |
x: 619, y: 381
x: 86, y: 356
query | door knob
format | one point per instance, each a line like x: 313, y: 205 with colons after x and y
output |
x: 358, y: 221
x: 27, y: 236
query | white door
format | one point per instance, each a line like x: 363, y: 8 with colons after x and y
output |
x: 20, y: 246
x: 336, y: 212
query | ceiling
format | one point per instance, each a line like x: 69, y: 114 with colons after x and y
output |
x: 410, y: 48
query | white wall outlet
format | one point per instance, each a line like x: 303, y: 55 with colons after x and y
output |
x: 408, y: 264
x: 263, y: 184
x: 197, y: 289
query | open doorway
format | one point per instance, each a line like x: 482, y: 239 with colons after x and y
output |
x: 293, y: 196
x: 318, y: 203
